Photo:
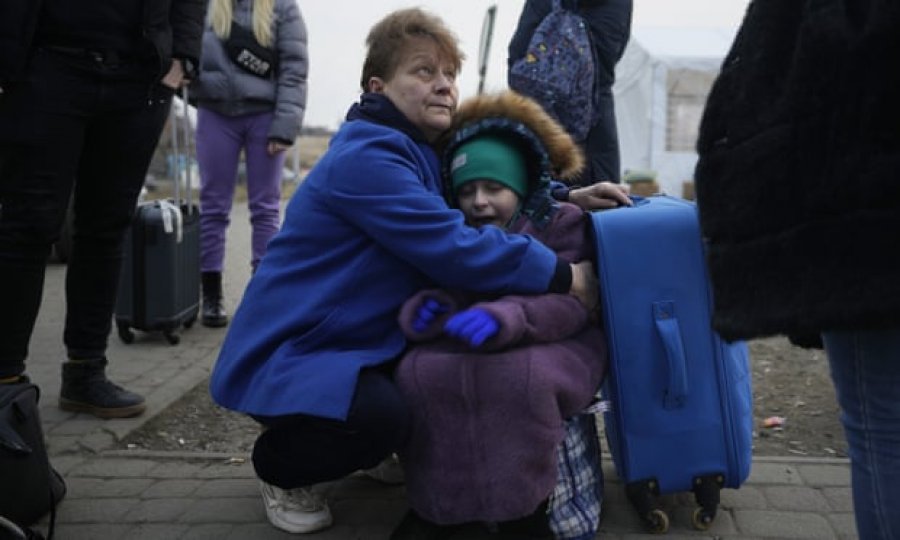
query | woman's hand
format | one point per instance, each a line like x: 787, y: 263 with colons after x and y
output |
x: 600, y: 196
x: 276, y: 146
x: 175, y: 78
x: 584, y: 285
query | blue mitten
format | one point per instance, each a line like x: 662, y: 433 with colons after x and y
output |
x: 474, y: 326
x: 427, y: 313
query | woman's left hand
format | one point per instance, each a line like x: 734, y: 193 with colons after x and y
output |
x: 276, y: 146
x: 600, y: 196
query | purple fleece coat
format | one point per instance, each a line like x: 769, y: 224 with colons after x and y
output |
x: 487, y: 422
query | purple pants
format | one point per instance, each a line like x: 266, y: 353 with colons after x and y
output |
x: 219, y: 142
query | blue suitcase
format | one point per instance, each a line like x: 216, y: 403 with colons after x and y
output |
x: 680, y: 406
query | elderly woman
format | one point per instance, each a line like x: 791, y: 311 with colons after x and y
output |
x: 312, y: 346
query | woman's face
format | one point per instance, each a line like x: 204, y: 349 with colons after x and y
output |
x: 423, y: 87
x: 485, y: 202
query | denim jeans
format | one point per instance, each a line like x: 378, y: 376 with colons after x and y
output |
x: 74, y: 126
x: 865, y: 367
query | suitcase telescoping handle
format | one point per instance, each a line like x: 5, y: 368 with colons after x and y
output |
x: 670, y: 333
x: 177, y: 155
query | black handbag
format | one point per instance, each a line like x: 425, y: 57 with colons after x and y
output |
x: 29, y: 486
x: 249, y: 54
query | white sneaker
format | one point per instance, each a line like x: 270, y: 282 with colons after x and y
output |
x: 297, y: 510
x: 388, y: 471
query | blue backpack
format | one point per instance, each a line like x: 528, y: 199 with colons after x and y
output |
x: 557, y: 70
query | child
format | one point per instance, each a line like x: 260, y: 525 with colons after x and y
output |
x: 492, y: 381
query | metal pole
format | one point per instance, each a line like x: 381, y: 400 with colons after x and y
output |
x: 484, y: 48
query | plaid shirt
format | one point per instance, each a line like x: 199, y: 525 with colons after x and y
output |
x: 574, y: 507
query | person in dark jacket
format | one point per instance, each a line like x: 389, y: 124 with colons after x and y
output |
x: 238, y: 109
x: 799, y: 198
x: 86, y: 88
x: 609, y: 22
x: 313, y: 343
x: 493, y: 380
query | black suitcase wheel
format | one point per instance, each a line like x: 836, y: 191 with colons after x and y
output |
x: 643, y: 495
x: 701, y: 519
x: 707, y: 494
x: 657, y: 521
x: 190, y: 322
x: 172, y: 337
x: 125, y: 333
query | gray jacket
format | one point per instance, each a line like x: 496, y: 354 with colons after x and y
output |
x: 225, y: 88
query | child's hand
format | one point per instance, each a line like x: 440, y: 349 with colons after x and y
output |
x: 474, y: 326
x: 427, y: 313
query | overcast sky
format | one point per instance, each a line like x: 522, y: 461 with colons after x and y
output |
x: 338, y: 28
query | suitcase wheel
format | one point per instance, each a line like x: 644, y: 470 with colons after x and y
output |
x: 643, y: 495
x: 190, y: 322
x: 657, y: 521
x: 706, y: 492
x: 702, y: 518
x: 171, y: 337
x: 125, y: 333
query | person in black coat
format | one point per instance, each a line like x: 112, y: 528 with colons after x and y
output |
x: 610, y: 27
x: 799, y: 199
x: 85, y: 88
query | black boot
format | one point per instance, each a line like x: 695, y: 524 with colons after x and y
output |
x: 213, y: 315
x: 85, y: 388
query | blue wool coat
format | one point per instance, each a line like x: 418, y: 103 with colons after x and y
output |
x: 366, y: 229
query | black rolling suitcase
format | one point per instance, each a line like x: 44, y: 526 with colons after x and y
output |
x: 159, y: 289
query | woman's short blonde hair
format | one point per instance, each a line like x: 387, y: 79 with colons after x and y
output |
x: 389, y: 38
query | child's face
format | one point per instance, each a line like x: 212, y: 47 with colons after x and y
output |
x: 485, y: 202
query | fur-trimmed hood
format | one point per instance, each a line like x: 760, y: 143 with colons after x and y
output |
x: 553, y: 155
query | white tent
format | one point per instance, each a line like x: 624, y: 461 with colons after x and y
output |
x: 661, y: 87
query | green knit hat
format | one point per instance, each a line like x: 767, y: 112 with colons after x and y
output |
x: 489, y: 157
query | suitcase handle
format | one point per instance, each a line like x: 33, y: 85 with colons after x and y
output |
x: 669, y: 332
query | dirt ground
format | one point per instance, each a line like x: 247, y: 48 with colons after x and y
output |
x: 791, y: 387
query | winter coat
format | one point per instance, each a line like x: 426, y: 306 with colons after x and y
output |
x: 227, y: 89
x: 366, y: 229
x: 173, y: 28
x: 487, y: 422
x: 798, y: 178
x: 609, y: 22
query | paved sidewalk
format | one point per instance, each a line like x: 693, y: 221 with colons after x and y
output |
x: 138, y: 495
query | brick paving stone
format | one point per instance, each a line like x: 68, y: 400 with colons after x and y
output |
x: 94, y: 510
x: 100, y: 488
x: 800, y: 498
x: 747, y: 497
x: 166, y: 510
x: 844, y: 524
x: 114, y: 468
x: 71, y: 531
x: 230, y: 510
x: 227, y: 487
x: 211, y: 531
x: 773, y: 473
x: 174, y: 487
x: 157, y: 531
x: 177, y: 469
x: 825, y: 475
x: 839, y: 498
x: 793, y: 525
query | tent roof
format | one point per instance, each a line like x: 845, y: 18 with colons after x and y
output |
x: 675, y: 45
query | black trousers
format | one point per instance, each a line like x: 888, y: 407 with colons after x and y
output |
x: 299, y: 450
x: 77, y: 126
